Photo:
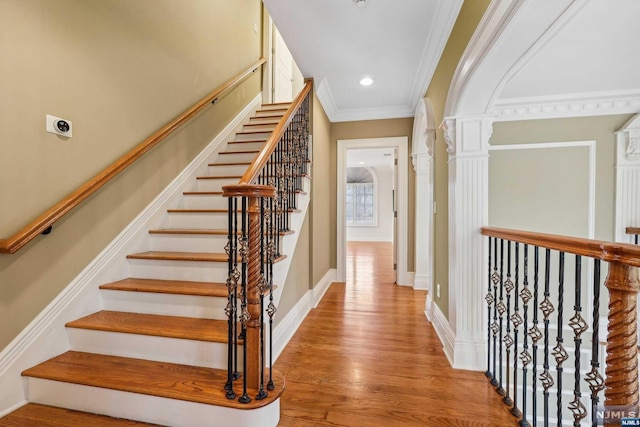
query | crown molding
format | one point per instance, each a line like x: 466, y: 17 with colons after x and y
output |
x: 562, y: 106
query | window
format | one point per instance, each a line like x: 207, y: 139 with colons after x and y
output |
x: 361, y: 197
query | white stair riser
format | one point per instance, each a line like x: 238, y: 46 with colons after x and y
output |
x: 188, y: 242
x: 179, y: 270
x: 215, y: 184
x: 226, y: 170
x: 274, y: 106
x: 253, y: 136
x: 200, y: 307
x: 245, y: 146
x: 267, y: 119
x: 150, y: 409
x: 192, y: 220
x: 236, y: 157
x: 204, y: 202
x: 266, y: 127
x: 159, y: 349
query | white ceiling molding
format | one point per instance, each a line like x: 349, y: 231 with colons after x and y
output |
x: 561, y: 106
x: 334, y: 42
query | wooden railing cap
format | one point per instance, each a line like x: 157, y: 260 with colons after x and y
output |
x: 633, y: 230
x: 248, y: 190
x: 607, y: 251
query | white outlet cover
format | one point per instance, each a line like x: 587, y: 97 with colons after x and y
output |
x: 51, y: 126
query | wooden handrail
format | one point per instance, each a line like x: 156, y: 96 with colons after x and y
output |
x: 256, y: 167
x: 633, y: 230
x: 48, y: 218
x: 607, y: 251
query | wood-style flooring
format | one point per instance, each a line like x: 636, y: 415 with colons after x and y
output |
x: 367, y: 356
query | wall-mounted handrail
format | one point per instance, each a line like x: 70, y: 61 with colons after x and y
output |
x: 258, y: 164
x: 42, y: 223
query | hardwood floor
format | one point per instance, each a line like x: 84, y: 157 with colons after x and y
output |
x: 367, y: 356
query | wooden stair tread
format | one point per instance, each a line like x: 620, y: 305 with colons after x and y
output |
x: 240, y: 152
x: 36, y: 415
x: 177, y: 287
x: 247, y: 141
x: 220, y: 177
x: 190, y: 328
x: 199, y: 211
x: 196, y: 231
x: 186, y: 256
x: 180, y: 256
x: 230, y: 164
x: 173, y: 381
x: 202, y: 193
x: 276, y: 103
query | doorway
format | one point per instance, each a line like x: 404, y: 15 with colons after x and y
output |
x: 389, y: 175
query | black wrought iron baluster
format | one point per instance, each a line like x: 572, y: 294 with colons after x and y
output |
x: 232, y: 284
x: 547, y: 308
x: 490, y: 300
x: 516, y: 319
x: 525, y: 356
x: 237, y: 262
x: 594, y: 378
x: 536, y: 335
x: 501, y: 310
x: 508, y: 339
x: 243, y: 251
x: 494, y: 326
x: 271, y: 308
x: 579, y: 326
x: 559, y: 351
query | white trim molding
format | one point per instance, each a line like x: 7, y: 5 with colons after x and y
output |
x: 443, y: 330
x: 627, y: 204
x: 424, y: 135
x: 563, y: 106
x: 401, y: 144
x: 468, y: 147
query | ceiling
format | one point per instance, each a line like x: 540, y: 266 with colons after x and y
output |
x: 337, y: 43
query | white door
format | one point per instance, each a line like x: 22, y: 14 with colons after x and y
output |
x: 395, y: 213
x: 282, y: 70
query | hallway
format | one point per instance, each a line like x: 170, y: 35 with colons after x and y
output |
x: 367, y: 356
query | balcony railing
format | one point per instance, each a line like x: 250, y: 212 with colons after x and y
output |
x: 545, y: 352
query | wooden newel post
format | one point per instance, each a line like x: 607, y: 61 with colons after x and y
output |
x: 621, y: 386
x: 252, y: 340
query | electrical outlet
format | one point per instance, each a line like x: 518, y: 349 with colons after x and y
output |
x: 438, y: 290
x: 255, y: 28
x: 59, y: 126
x: 435, y: 208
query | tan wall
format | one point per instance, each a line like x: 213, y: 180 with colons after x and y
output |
x: 465, y: 25
x: 118, y: 69
x: 549, y: 193
x: 323, y: 228
x: 376, y: 129
x: 297, y: 283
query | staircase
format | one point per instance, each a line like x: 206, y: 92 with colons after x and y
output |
x: 157, y: 352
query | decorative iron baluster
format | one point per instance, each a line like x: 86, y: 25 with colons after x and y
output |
x: 559, y: 351
x: 579, y: 326
x: 262, y: 394
x: 243, y: 251
x: 516, y: 319
x: 547, y: 308
x: 594, y: 378
x: 495, y: 279
x: 508, y: 340
x: 501, y: 310
x: 525, y: 356
x: 232, y: 286
x: 536, y: 335
x: 489, y: 299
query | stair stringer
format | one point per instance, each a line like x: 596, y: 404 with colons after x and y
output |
x: 46, y: 336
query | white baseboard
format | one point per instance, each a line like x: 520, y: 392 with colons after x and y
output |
x: 321, y: 287
x: 45, y: 336
x: 421, y: 282
x: 428, y: 306
x: 444, y: 331
x: 288, y: 326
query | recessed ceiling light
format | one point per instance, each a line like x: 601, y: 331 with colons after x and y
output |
x: 362, y: 163
x: 366, y: 81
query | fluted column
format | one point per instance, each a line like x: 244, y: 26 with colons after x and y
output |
x: 468, y: 147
